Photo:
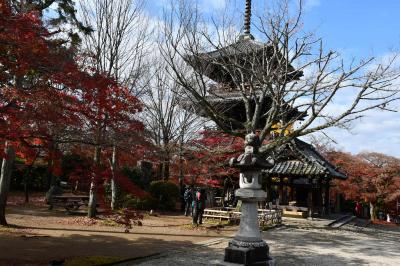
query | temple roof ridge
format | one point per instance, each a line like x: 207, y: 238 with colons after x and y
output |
x: 303, y: 160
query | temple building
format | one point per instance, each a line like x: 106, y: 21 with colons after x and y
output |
x: 301, y: 180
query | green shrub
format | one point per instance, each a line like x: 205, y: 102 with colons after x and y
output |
x: 148, y: 203
x: 167, y: 193
x: 134, y: 174
x: 36, y: 178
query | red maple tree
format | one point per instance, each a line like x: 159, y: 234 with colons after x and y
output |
x: 372, y: 178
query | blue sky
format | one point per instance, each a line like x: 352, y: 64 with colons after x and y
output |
x: 358, y: 27
x: 355, y: 28
x: 361, y: 28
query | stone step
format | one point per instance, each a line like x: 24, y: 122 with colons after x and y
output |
x: 341, y: 221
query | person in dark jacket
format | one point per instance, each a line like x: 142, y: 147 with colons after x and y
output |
x: 188, y: 197
x: 358, y: 209
x: 195, y: 204
x: 198, y: 205
x: 202, y: 205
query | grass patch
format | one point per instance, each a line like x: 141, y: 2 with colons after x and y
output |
x: 189, y: 226
x: 109, y: 222
x: 216, y: 222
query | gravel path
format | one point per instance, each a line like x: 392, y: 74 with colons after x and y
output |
x: 307, y: 244
x: 39, y: 236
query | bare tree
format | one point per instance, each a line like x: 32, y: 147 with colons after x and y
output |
x: 168, y: 125
x: 118, y: 46
x: 120, y: 39
x: 287, y: 77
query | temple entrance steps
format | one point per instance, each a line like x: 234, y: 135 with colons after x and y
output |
x: 341, y: 221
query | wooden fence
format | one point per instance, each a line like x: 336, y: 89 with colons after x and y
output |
x: 265, y: 216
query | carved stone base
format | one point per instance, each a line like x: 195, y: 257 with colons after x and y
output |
x: 248, y: 253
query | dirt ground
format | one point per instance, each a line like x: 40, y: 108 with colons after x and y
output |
x: 37, y: 236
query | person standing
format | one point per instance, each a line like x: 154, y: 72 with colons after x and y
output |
x: 201, y: 197
x: 195, y: 206
x: 358, y: 209
x: 188, y: 197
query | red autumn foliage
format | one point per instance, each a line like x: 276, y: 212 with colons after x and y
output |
x: 48, y: 98
x: 372, y: 177
x: 37, y: 76
x: 208, y: 157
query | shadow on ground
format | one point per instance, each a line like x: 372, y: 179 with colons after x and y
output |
x: 292, y: 246
x: 42, y: 249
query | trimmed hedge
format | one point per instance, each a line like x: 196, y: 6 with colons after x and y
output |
x: 166, y: 193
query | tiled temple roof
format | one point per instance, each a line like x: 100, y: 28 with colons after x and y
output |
x: 303, y: 160
x: 241, y: 47
x: 239, y: 53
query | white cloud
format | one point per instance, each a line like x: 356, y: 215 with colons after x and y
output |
x: 309, y: 4
x: 378, y: 131
x: 212, y: 5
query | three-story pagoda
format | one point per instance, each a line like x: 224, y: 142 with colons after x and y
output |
x: 233, y: 64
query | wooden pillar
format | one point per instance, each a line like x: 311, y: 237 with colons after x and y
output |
x: 323, y: 198
x: 327, y: 197
x: 338, y: 203
x: 291, y: 193
x: 310, y: 200
x: 320, y: 197
x: 280, y: 191
x: 269, y: 189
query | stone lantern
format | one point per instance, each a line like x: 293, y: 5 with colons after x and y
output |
x: 247, y: 247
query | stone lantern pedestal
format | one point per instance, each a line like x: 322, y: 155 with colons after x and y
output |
x: 247, y: 247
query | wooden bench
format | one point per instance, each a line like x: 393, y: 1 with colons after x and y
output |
x: 69, y: 202
x: 294, y: 211
x: 295, y: 214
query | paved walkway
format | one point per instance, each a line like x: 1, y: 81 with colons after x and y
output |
x: 300, y: 242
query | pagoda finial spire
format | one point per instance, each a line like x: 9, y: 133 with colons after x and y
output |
x: 247, y: 17
x: 247, y: 20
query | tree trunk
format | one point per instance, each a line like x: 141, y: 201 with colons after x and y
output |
x: 50, y: 177
x: 6, y: 170
x: 26, y: 192
x: 113, y: 164
x: 165, y: 170
x: 372, y: 211
x: 92, y: 197
x: 93, y: 185
x: 26, y: 182
x: 181, y: 176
